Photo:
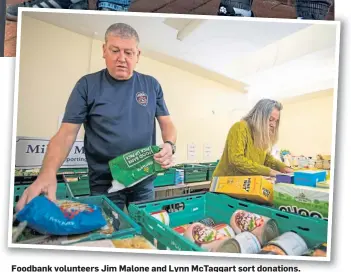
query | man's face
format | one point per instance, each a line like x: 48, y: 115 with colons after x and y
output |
x: 121, y: 56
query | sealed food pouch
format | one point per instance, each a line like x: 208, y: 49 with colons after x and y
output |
x: 134, y: 167
x: 63, y: 217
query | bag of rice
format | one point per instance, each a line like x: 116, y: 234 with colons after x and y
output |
x: 133, y: 167
x: 63, y: 217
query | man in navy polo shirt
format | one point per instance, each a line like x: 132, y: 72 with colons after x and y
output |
x: 118, y: 108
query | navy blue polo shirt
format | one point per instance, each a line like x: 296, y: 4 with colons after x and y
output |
x: 118, y: 117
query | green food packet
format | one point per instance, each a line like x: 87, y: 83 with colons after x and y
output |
x: 133, y: 167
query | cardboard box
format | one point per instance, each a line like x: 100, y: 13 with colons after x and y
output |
x: 303, y: 200
x: 257, y: 189
x: 309, y: 178
x: 285, y: 178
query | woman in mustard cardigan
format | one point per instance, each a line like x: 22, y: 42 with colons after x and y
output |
x: 249, y: 141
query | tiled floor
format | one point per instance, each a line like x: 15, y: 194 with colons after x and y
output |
x: 261, y: 8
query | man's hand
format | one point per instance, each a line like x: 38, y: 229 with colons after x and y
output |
x: 164, y: 157
x: 44, y: 184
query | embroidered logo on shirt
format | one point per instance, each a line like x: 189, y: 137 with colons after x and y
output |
x: 142, y: 98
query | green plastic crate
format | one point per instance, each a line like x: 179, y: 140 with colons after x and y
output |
x: 79, y: 184
x: 128, y: 227
x: 220, y: 208
x: 211, y: 166
x: 165, y: 179
x: 71, y: 171
x: 22, y: 183
x: 194, y: 172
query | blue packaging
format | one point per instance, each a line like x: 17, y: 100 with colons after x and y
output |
x: 285, y: 178
x: 309, y: 178
x: 62, y: 218
x: 179, y: 176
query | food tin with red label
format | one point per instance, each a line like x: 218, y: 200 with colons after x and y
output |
x: 162, y: 216
x: 181, y: 229
x: 264, y: 228
x: 209, y: 238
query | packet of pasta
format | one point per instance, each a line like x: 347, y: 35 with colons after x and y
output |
x: 63, y: 217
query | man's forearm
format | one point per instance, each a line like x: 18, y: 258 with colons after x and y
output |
x: 57, y: 151
x: 169, y: 133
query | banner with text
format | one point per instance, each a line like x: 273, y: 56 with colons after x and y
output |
x: 30, y: 153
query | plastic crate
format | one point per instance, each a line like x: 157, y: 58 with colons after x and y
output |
x: 128, y: 227
x: 23, y: 182
x: 220, y: 208
x: 79, y: 184
x: 194, y: 172
x: 165, y: 179
x: 71, y: 171
x: 211, y: 166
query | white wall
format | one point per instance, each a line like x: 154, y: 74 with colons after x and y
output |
x: 52, y: 60
x: 307, y: 125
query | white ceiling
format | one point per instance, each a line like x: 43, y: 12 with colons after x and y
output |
x: 226, y: 46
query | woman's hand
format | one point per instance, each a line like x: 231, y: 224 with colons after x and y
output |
x: 273, y: 173
x: 287, y: 170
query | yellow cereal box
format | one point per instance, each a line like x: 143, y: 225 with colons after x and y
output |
x: 254, y: 188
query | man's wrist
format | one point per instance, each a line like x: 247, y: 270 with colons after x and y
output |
x: 173, y: 146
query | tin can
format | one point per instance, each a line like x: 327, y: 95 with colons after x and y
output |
x: 318, y: 251
x: 205, y: 237
x: 291, y: 243
x: 208, y: 222
x: 225, y: 230
x: 181, y: 229
x: 224, y: 245
x: 264, y: 228
x: 162, y: 216
x: 272, y: 250
x: 247, y: 243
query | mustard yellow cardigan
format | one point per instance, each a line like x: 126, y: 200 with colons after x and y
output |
x: 241, y: 157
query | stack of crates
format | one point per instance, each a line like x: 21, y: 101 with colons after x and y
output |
x: 211, y: 166
x: 166, y: 178
x: 78, y: 180
x: 194, y: 172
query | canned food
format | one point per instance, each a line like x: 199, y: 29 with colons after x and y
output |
x: 264, y: 228
x: 206, y: 237
x: 224, y: 245
x: 318, y: 251
x: 181, y: 229
x: 291, y: 243
x: 200, y: 234
x: 272, y: 250
x: 225, y: 230
x: 162, y: 216
x: 247, y: 243
x: 208, y: 222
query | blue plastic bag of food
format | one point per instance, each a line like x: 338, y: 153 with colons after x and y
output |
x: 63, y: 217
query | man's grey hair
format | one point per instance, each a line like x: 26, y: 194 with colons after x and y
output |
x: 123, y: 31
